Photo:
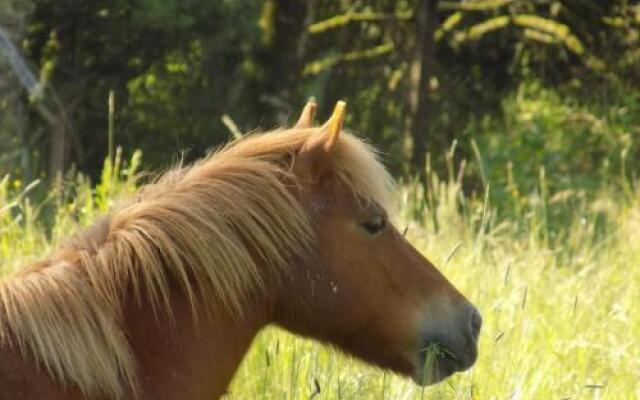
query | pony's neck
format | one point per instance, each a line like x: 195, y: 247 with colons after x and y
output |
x: 177, y: 358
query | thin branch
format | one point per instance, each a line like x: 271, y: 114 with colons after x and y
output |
x: 341, y: 20
x: 345, y: 19
x: 318, y: 66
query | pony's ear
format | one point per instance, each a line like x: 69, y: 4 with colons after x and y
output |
x: 317, y: 152
x: 307, y: 115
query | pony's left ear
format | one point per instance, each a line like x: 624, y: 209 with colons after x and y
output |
x: 307, y: 115
x: 316, y: 154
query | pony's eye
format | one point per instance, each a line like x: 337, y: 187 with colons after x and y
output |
x: 374, y: 225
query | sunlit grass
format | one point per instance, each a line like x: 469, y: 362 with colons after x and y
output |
x: 560, y: 306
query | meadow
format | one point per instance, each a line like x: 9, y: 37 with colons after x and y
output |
x: 553, y: 271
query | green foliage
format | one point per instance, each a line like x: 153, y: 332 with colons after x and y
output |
x: 549, y: 155
x: 174, y: 67
x: 578, y: 145
x: 177, y: 68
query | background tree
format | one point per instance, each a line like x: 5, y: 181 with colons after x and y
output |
x: 417, y: 74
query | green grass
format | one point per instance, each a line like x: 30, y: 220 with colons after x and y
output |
x: 560, y: 306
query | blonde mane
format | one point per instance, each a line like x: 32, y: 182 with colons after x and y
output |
x: 215, y: 229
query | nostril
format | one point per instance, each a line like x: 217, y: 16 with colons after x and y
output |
x: 476, y: 323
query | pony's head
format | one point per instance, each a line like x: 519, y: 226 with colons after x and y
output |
x: 363, y: 287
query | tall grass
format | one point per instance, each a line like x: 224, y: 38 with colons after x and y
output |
x: 561, y: 314
x: 33, y: 219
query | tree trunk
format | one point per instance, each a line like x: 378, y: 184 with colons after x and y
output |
x: 420, y: 104
x: 284, y: 25
x: 57, y: 149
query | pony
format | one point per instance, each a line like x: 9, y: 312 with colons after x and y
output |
x: 161, y: 298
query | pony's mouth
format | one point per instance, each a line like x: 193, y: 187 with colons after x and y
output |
x: 435, y: 364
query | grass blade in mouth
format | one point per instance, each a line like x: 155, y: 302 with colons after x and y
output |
x: 430, y: 364
x: 432, y: 352
x: 438, y: 351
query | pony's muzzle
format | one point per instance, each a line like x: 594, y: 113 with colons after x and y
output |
x: 449, y: 347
